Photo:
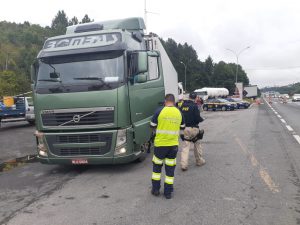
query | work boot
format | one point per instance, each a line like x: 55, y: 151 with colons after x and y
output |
x: 168, y: 195
x: 200, y: 162
x: 155, y: 192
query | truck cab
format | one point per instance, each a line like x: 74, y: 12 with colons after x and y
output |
x: 95, y: 90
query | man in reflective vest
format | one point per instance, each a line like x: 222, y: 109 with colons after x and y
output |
x: 167, y: 121
x: 191, y: 135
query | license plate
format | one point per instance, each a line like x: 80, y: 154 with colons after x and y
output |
x: 79, y: 161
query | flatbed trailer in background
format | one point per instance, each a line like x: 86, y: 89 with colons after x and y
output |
x: 21, y: 109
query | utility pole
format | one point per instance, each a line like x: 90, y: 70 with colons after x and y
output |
x: 184, y: 75
x: 237, y: 54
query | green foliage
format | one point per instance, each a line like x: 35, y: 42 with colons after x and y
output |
x: 86, y: 19
x: 60, y: 23
x: 12, y: 84
x: 202, y: 74
x: 73, y: 21
x: 19, y: 46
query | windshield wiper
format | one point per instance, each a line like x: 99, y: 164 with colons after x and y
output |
x: 50, y: 80
x: 93, y: 78
x: 88, y: 78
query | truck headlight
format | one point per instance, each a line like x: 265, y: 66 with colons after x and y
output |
x: 120, y: 151
x: 40, y: 143
x: 121, y: 138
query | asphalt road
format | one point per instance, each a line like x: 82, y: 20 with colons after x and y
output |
x: 16, y: 140
x: 251, y: 177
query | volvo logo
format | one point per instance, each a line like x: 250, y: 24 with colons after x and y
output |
x: 76, y: 118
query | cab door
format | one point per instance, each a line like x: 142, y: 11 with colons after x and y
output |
x: 146, y: 94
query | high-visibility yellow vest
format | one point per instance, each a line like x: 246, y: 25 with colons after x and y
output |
x: 168, y: 127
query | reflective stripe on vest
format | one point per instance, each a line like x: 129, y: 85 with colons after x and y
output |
x: 167, y: 132
x: 168, y: 126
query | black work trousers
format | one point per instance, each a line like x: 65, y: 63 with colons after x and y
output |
x: 164, y: 155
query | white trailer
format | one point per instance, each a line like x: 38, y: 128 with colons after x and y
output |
x: 170, y: 74
x: 210, y: 92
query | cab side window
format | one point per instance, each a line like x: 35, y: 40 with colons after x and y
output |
x: 153, y: 72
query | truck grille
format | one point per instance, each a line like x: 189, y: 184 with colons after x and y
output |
x: 64, y: 118
x: 58, y: 144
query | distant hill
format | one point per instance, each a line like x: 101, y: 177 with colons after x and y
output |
x: 287, y: 89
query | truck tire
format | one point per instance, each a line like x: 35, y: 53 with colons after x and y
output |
x: 223, y: 108
x: 205, y: 108
x: 31, y: 122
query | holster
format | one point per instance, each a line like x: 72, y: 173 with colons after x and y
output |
x: 199, y: 136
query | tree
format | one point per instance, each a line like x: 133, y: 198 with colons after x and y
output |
x: 12, y: 84
x: 73, y: 21
x: 59, y: 23
x: 86, y: 19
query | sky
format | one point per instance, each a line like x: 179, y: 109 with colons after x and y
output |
x: 269, y: 27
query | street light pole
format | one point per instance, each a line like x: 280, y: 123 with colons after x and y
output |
x: 237, y: 60
x: 184, y: 75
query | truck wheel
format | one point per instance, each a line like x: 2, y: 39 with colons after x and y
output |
x: 223, y: 108
x: 205, y: 108
x: 31, y: 122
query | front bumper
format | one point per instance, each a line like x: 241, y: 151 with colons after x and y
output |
x: 92, y: 161
x: 64, y: 147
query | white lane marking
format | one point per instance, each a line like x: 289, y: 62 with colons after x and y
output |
x: 289, y: 128
x: 282, y: 120
x: 265, y: 176
x: 297, y: 137
x: 279, y: 116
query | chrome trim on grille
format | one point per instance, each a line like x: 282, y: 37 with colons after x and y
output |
x: 74, y: 110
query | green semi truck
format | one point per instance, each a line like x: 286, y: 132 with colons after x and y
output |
x: 95, y: 90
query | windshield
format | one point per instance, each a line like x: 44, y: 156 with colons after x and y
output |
x: 30, y: 101
x: 77, y: 73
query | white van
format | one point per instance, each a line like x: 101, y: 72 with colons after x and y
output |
x: 29, y: 114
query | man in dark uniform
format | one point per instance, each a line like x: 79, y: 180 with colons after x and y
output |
x: 167, y: 122
x: 191, y: 135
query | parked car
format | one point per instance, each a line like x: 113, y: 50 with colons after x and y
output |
x: 296, y: 98
x: 218, y: 104
x: 241, y: 104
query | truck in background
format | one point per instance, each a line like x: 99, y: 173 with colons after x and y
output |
x: 95, y: 90
x: 180, y: 91
x: 210, y: 92
x: 16, y: 108
x: 250, y: 91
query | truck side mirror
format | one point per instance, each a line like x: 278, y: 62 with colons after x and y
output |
x: 141, y: 78
x: 33, y: 73
x: 142, y: 66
